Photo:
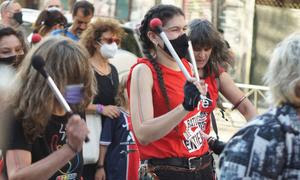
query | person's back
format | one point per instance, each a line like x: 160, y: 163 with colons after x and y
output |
x: 268, y: 147
x: 48, y: 21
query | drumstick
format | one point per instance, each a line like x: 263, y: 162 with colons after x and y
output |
x: 155, y: 24
x: 38, y: 63
x: 192, y: 56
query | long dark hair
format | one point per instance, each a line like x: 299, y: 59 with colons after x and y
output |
x: 47, y: 19
x: 204, y: 35
x: 164, y: 13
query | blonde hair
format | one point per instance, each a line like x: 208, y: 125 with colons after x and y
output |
x: 283, y: 74
x: 121, y: 100
x: 67, y: 63
x: 95, y: 30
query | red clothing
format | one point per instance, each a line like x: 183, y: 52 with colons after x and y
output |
x: 133, y: 159
x: 1, y: 166
x: 184, y: 140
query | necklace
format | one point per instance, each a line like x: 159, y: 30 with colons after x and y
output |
x: 101, y: 73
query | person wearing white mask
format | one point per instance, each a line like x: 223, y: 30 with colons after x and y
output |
x: 53, y: 4
x: 101, y: 39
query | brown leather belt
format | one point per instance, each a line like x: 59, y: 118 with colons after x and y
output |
x: 192, y: 163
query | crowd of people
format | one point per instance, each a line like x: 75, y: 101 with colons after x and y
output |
x: 155, y: 122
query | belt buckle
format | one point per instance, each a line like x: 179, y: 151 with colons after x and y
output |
x: 190, y: 164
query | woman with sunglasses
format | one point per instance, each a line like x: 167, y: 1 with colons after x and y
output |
x: 101, y: 39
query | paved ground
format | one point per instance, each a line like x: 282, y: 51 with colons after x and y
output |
x: 234, y: 121
x: 227, y: 128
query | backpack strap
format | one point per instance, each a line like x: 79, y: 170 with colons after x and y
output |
x: 214, y: 124
x: 212, y: 116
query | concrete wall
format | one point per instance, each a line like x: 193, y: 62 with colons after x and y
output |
x: 236, y: 19
x: 271, y: 25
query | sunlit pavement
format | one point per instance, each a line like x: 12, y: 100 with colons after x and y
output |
x: 229, y: 126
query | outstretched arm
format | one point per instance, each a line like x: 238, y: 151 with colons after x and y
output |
x: 234, y: 95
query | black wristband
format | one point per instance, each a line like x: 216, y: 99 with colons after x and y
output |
x: 99, y: 166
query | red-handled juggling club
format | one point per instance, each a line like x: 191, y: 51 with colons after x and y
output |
x: 156, y: 25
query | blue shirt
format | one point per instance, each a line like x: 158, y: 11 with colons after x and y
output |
x: 121, y: 145
x: 267, y: 148
x: 66, y: 33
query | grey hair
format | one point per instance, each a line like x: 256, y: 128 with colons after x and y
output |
x: 5, y: 5
x: 283, y: 74
x: 47, y: 2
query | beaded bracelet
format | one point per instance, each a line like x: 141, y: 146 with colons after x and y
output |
x: 99, y: 108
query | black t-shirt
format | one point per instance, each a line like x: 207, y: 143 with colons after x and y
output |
x: 107, y: 86
x: 54, y: 138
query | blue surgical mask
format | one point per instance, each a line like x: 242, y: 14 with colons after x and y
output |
x: 74, y: 93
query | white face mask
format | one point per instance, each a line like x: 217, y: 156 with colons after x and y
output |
x: 108, y: 50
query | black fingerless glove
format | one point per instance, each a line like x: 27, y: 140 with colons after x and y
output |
x: 215, y: 145
x: 191, y: 96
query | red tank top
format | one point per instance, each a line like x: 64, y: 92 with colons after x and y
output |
x: 184, y: 140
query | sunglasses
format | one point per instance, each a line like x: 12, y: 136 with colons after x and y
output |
x: 111, y: 40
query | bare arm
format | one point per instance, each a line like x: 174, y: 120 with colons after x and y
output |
x: 147, y: 128
x: 100, y: 173
x: 91, y: 109
x: 234, y: 95
x: 110, y: 111
x: 102, y: 154
x: 19, y: 161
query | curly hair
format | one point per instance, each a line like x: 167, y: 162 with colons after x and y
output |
x: 95, y: 30
x: 283, y: 74
x: 66, y: 62
x: 7, y: 31
x: 47, y: 19
x: 204, y: 35
x: 164, y: 13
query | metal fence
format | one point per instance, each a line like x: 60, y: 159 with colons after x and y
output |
x: 295, y: 4
x: 256, y: 94
x: 229, y: 121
